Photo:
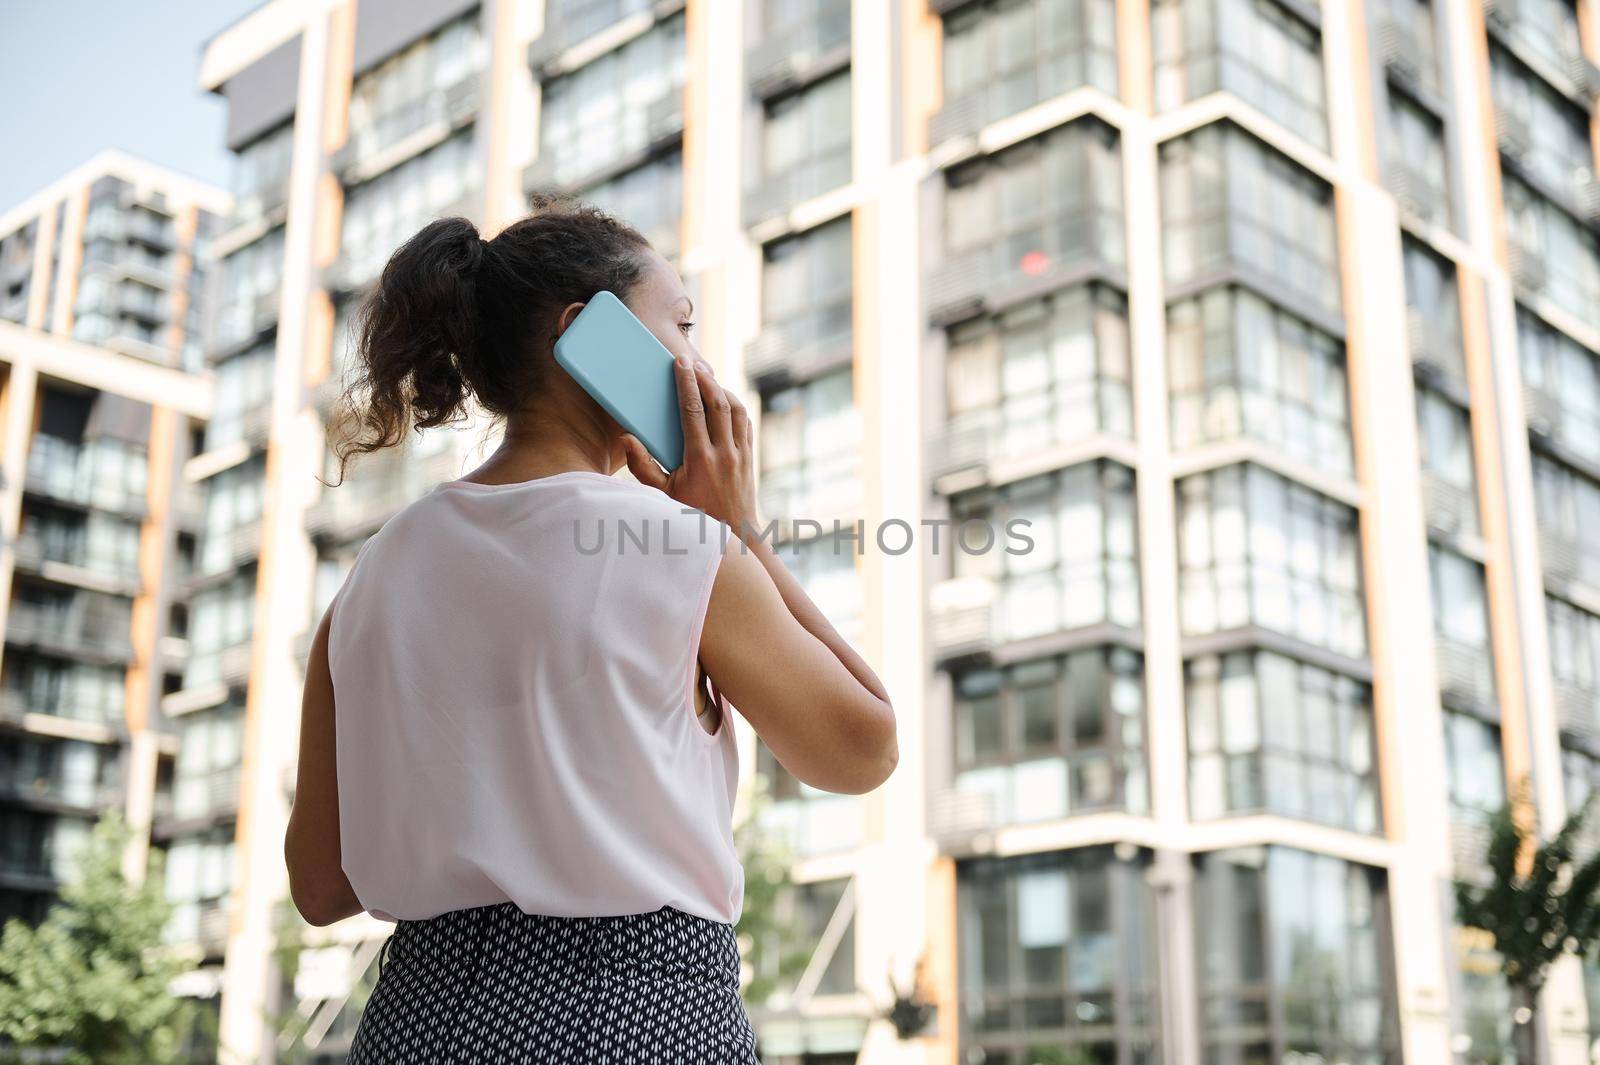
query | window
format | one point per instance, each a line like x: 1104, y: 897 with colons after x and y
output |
x: 1563, y: 379
x: 1255, y: 49
x: 1044, y: 373
x: 67, y: 771
x: 1544, y: 131
x: 1552, y: 253
x: 199, y: 882
x: 243, y: 389
x: 600, y: 113
x: 651, y: 198
x: 809, y: 820
x: 60, y: 688
x: 1003, y: 56
x: 1229, y: 202
x: 234, y: 500
x: 1292, y: 958
x: 1078, y: 563
x: 806, y: 283
x: 206, y: 777
x: 1056, y: 954
x: 1461, y: 625
x: 247, y: 291
x: 1580, y: 779
x: 1475, y: 767
x: 811, y: 449
x: 1273, y: 735
x: 1417, y: 170
x: 383, y: 213
x: 1568, y: 507
x: 1053, y: 737
x: 1242, y: 367
x: 802, y: 913
x: 805, y: 145
x: 40, y: 845
x: 1047, y: 203
x: 260, y: 172
x: 406, y: 91
x: 1410, y: 26
x: 1450, y: 491
x: 1433, y: 311
x: 1575, y: 664
x: 1255, y: 548
x: 1549, y: 29
x: 221, y: 617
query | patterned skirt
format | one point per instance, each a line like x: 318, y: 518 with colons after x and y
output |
x: 495, y: 984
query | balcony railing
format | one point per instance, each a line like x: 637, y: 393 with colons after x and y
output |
x: 441, y: 110
x: 1578, y: 711
x: 16, y: 704
x: 815, y: 824
x: 264, y: 207
x: 60, y: 473
x: 1464, y: 670
x: 369, y: 498
x: 1401, y: 51
x: 571, y: 23
x: 1434, y: 349
x: 208, y: 796
x: 790, y: 54
x: 1449, y: 508
x: 663, y: 126
x: 961, y: 616
x: 54, y: 790
x: 802, y: 346
x: 76, y: 632
x: 1066, y: 249
x: 32, y: 555
x: 1569, y: 560
x: 777, y: 193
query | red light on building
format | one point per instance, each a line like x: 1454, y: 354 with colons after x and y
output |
x: 1035, y: 263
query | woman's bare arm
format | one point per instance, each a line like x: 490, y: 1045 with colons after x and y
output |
x: 815, y: 703
x: 321, y: 891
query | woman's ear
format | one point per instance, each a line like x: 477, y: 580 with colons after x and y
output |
x: 568, y: 313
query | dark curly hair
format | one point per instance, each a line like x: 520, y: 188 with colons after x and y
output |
x: 454, y: 315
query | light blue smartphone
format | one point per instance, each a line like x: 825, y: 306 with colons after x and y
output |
x: 619, y: 362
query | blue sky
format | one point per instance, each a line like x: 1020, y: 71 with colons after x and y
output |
x: 82, y: 75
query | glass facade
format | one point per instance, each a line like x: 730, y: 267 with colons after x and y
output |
x: 1449, y: 484
x: 1257, y: 549
x: 1552, y: 254
x: 1230, y: 204
x: 1003, y: 56
x: 804, y: 146
x: 1053, y: 737
x: 381, y: 214
x: 1056, y: 959
x: 1567, y: 503
x: 1292, y: 959
x: 1261, y: 51
x: 1242, y: 367
x: 1060, y: 550
x: 810, y: 449
x: 600, y: 115
x: 1562, y: 381
x: 1268, y: 734
x: 412, y: 88
x: 1417, y: 170
x: 1045, y: 373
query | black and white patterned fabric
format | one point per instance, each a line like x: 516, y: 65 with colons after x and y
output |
x: 495, y: 984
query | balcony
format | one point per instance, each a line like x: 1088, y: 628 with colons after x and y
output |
x: 1449, y: 509
x: 62, y: 478
x: 16, y: 705
x: 571, y: 23
x: 1050, y: 788
x: 73, y: 564
x: 188, y: 505
x: 1065, y: 251
x: 65, y: 796
x: 802, y: 346
x: 138, y: 302
x: 147, y: 229
x: 407, y: 131
x: 201, y: 800
x: 1569, y: 561
x: 370, y: 497
x: 73, y: 633
x: 1400, y: 49
x: 663, y: 128
x: 776, y: 193
x: 1465, y: 672
x: 821, y: 499
x: 961, y: 617
x: 975, y: 446
x: 258, y: 210
x: 1578, y: 712
x: 1435, y: 349
x: 815, y: 823
x: 814, y: 45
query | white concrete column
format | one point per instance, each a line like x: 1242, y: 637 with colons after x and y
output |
x: 283, y: 587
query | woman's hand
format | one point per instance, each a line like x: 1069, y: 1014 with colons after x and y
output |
x: 718, y: 471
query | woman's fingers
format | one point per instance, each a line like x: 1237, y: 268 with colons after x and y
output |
x: 719, y: 413
x: 741, y: 423
x: 692, y: 408
x: 644, y: 468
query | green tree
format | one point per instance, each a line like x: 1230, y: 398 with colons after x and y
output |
x: 1540, y: 901
x: 90, y: 984
x: 766, y: 860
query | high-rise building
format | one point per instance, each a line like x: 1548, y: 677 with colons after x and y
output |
x: 1279, y: 323
x: 102, y: 276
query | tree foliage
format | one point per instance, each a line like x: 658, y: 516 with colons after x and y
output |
x: 90, y: 984
x: 766, y: 860
x: 1539, y: 909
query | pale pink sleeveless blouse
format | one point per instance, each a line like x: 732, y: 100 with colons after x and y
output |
x: 513, y: 670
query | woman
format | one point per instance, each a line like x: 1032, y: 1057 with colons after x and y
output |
x: 507, y: 745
